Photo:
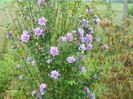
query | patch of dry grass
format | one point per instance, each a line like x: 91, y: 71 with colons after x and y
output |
x: 119, y: 81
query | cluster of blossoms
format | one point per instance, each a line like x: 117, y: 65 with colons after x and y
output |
x: 67, y: 38
x: 87, y: 91
x: 42, y: 21
x: 37, y: 31
x: 54, y: 51
x: 54, y: 75
x: 82, y: 47
x: 42, y: 88
x: 97, y: 20
x: 90, y: 10
x: 85, y: 40
x: 84, y: 22
x: 71, y: 59
x: 85, y: 33
x: 25, y: 36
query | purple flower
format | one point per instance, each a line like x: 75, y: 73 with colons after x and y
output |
x: 54, y: 51
x: 40, y: 95
x: 84, y: 22
x: 40, y: 2
x: 55, y: 75
x: 92, y: 96
x: 82, y: 47
x: 42, y: 88
x: 38, y: 31
x: 89, y: 46
x: 29, y: 59
x: 83, y: 70
x: 42, y: 21
x: 81, y: 32
x: 82, y: 39
x: 25, y: 36
x: 49, y: 61
x: 69, y: 37
x: 86, y: 90
x: 88, y: 38
x: 71, y: 59
x: 97, y: 20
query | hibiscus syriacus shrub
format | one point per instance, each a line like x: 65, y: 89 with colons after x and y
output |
x: 55, y: 37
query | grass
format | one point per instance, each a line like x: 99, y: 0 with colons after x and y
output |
x: 4, y: 19
x: 6, y: 61
x: 120, y: 84
x: 6, y: 73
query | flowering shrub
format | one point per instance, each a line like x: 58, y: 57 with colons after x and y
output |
x: 59, y: 41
